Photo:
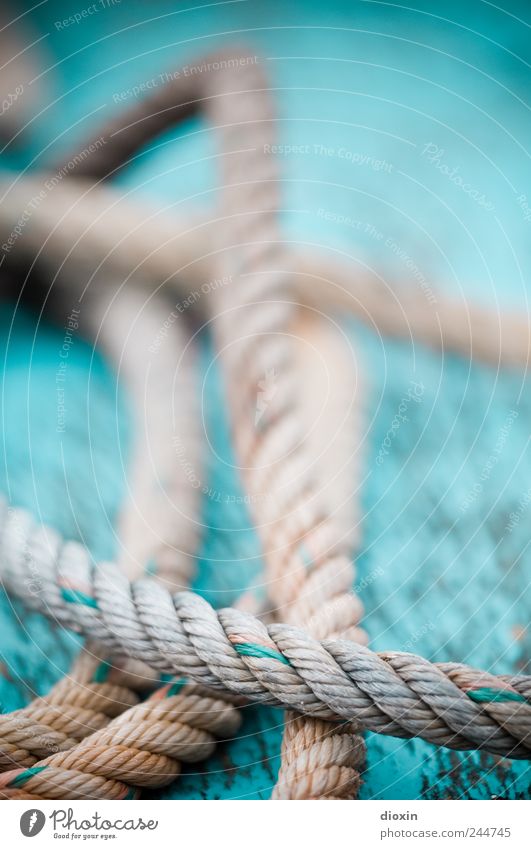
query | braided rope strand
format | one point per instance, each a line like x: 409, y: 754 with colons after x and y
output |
x: 392, y: 693
x: 297, y: 591
x: 142, y: 747
x: 79, y: 692
x: 83, y: 702
x: 320, y: 760
x: 81, y: 229
x: 246, y: 123
x: 256, y: 313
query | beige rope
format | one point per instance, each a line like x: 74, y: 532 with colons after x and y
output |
x: 142, y: 747
x: 255, y: 314
x: 286, y: 520
x: 82, y: 703
x: 245, y: 124
x: 159, y: 524
x: 80, y: 229
x: 77, y: 706
x: 320, y: 760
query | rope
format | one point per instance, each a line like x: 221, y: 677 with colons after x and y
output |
x: 142, y: 747
x: 246, y: 131
x: 393, y: 693
x: 84, y: 701
x: 318, y: 759
x: 22, y: 79
x: 308, y: 572
x: 147, y: 740
x: 158, y: 526
x: 331, y: 680
x: 80, y: 230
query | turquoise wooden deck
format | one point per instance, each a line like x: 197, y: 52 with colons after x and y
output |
x: 442, y: 572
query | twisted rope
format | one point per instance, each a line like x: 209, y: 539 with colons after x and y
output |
x: 318, y: 759
x: 83, y: 702
x: 80, y: 229
x: 310, y: 522
x: 246, y: 129
x: 308, y: 571
x: 143, y: 745
x: 158, y: 527
x: 393, y: 693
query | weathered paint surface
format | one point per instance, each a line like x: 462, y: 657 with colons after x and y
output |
x: 443, y: 570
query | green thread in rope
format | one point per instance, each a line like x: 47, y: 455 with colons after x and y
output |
x: 255, y: 650
x: 21, y: 779
x: 176, y: 687
x: 77, y: 597
x: 102, y: 672
x: 490, y: 694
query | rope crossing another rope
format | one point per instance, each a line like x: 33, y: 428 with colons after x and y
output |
x: 308, y: 568
x: 89, y: 732
x: 312, y: 660
x: 394, y: 693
